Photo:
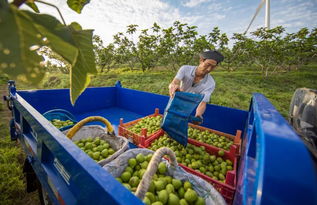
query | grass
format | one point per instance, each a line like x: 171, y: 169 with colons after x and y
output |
x: 233, y: 89
x: 12, y: 182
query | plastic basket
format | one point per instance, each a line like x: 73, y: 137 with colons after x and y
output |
x: 134, y: 137
x: 82, y: 131
x: 204, y: 189
x: 60, y: 114
x: 235, y: 147
x: 226, y: 189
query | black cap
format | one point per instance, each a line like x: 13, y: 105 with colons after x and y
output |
x: 214, y: 55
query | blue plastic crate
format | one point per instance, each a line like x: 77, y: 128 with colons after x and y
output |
x: 60, y: 114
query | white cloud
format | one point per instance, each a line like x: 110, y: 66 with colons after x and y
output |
x: 193, y: 3
x: 110, y: 17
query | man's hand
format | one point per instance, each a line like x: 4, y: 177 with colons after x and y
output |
x: 173, y: 87
x: 198, y: 123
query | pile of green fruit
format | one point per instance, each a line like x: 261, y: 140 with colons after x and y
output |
x: 210, y: 138
x: 98, y: 149
x: 152, y: 124
x: 163, y: 189
x: 60, y: 123
x: 196, y: 158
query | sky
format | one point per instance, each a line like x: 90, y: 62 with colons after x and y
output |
x: 108, y: 17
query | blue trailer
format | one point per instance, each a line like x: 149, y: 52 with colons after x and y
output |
x: 274, y: 168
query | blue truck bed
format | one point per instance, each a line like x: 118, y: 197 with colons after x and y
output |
x: 274, y: 168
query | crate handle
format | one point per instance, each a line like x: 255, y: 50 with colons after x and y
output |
x: 80, y: 124
x: 152, y: 168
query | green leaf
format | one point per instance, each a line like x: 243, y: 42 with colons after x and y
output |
x: 77, y: 5
x: 58, y: 37
x: 19, y: 40
x: 74, y: 45
x: 85, y: 64
x: 33, y: 6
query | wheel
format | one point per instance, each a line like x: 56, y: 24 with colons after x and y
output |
x: 43, y: 195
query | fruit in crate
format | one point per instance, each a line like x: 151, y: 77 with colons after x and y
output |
x: 196, y: 158
x: 60, y: 123
x: 152, y: 124
x: 163, y: 189
x: 210, y: 138
x: 97, y: 148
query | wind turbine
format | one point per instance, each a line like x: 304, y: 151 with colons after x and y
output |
x: 267, y: 14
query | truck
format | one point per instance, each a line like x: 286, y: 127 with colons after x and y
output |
x: 274, y: 167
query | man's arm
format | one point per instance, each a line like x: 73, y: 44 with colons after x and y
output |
x: 201, y: 109
x: 174, y: 86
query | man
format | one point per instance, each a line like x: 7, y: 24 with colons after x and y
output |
x: 196, y: 79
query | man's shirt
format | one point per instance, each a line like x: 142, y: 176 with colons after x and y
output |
x: 205, y: 86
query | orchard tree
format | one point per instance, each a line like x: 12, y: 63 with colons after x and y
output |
x: 147, y: 47
x: 268, y: 50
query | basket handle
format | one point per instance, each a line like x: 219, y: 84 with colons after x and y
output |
x: 80, y: 124
x: 152, y: 168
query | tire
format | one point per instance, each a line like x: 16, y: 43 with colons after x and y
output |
x: 43, y: 196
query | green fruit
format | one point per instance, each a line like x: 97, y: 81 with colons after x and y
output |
x: 176, y: 183
x: 144, y: 164
x: 140, y: 158
x: 162, y: 168
x: 163, y: 196
x: 146, y: 201
x: 96, y: 155
x: 168, y: 179
x: 157, y: 203
x: 149, y: 157
x: 132, y: 162
x: 181, y: 192
x: 159, y: 185
x: 200, y: 201
x: 129, y: 169
x: 119, y: 179
x: 110, y: 151
x: 187, y: 185
x: 97, y: 141
x: 150, y: 196
x: 183, y: 202
x: 88, y: 145
x: 190, y: 196
x: 126, y: 176
x: 104, y: 153
x: 221, y: 153
x: 141, y: 173
x: 127, y: 186
x: 137, y: 167
x: 152, y: 187
x: 172, y: 199
x: 169, y: 188
x: 134, y: 181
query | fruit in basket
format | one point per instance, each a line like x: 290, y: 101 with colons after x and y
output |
x: 162, y: 168
x: 151, y: 123
x: 163, y: 189
x: 134, y: 181
x: 173, y: 199
x: 163, y: 196
x: 190, y: 196
x: 60, y: 123
x: 125, y: 176
x: 140, y: 158
x: 96, y: 148
x: 197, y: 158
x: 146, y: 201
x: 210, y: 138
